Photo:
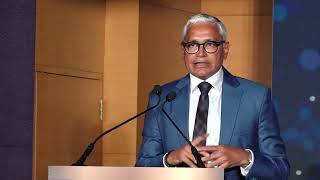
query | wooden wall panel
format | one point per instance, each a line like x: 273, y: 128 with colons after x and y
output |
x: 120, y: 80
x: 160, y: 54
x: 70, y: 52
x: 250, y: 54
x: 70, y: 34
x: 120, y: 159
x: 249, y: 23
x: 66, y: 121
x: 178, y: 5
x: 238, y: 7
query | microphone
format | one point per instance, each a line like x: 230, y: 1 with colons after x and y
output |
x: 170, y: 97
x: 80, y: 162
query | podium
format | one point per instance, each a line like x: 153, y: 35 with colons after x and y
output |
x: 132, y: 173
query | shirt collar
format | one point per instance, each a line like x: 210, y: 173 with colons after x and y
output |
x: 215, y: 80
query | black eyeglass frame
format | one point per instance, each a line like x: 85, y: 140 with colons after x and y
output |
x: 217, y: 43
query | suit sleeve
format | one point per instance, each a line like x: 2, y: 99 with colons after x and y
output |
x: 270, y: 161
x: 151, y: 150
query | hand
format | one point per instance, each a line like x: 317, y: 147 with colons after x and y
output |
x: 224, y: 156
x: 184, y: 154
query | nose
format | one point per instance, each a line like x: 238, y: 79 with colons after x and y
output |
x: 201, y: 52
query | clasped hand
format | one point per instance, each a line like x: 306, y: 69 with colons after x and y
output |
x: 222, y: 156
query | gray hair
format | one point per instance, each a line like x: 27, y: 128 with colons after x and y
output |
x: 205, y: 18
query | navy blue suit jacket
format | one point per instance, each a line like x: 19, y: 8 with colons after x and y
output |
x: 248, y: 121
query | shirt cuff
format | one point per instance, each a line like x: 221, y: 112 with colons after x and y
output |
x: 164, y: 160
x: 245, y: 170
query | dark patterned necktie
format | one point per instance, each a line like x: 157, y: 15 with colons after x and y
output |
x: 200, y: 126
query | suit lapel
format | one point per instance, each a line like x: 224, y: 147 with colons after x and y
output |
x: 231, y: 98
x: 180, y: 108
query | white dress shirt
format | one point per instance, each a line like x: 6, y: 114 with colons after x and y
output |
x: 214, y: 111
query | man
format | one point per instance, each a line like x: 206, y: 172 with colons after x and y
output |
x: 230, y: 120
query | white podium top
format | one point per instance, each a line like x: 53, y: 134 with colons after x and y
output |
x: 132, y: 173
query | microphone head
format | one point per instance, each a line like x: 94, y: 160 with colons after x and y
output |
x: 171, y: 96
x: 157, y: 90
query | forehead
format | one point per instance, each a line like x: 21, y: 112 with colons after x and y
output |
x: 202, y: 32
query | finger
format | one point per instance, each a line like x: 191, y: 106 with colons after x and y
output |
x: 212, y: 157
x: 207, y: 148
x: 189, y: 162
x: 186, y: 154
x: 208, y: 155
x: 213, y: 163
x: 205, y: 159
x: 218, y: 162
x: 204, y: 154
x: 210, y: 165
x: 224, y: 166
x: 216, y: 154
x: 199, y: 139
x: 191, y: 157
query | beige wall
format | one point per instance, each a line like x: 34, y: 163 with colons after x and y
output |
x: 70, y: 35
x: 120, y: 80
x: 68, y: 81
x: 65, y: 121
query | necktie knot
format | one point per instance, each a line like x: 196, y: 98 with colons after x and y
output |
x: 204, y: 87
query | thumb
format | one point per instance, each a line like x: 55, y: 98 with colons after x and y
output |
x: 199, y: 139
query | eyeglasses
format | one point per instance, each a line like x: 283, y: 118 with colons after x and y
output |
x: 209, y: 46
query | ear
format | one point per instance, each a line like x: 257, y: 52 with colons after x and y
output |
x: 226, y: 47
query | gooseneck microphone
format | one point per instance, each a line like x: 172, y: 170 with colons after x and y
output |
x: 80, y: 162
x: 170, y: 97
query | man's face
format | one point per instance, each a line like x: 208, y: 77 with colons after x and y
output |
x: 203, y: 64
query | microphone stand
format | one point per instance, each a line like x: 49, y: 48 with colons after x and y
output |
x: 87, y: 152
x: 170, y: 97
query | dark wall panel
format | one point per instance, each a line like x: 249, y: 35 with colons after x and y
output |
x: 17, y: 38
x: 296, y: 83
